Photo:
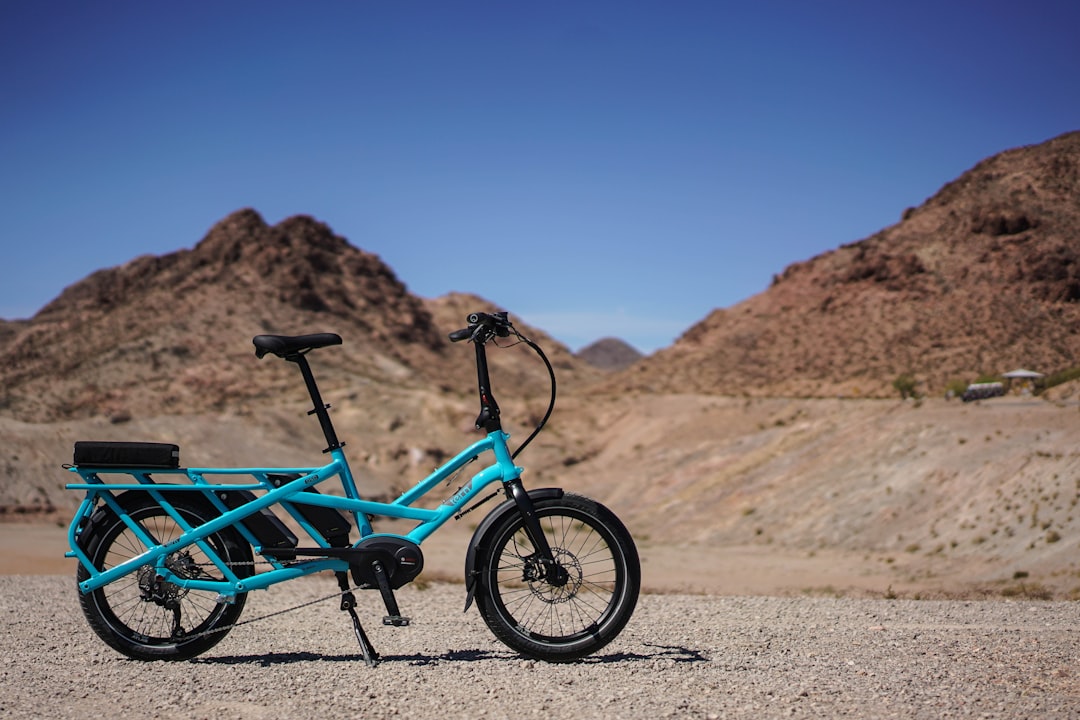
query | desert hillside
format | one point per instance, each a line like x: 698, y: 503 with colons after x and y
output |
x: 943, y: 494
x: 172, y: 334
x: 982, y: 278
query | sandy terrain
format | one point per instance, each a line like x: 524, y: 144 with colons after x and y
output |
x: 38, y: 549
x: 681, y: 656
x: 736, y: 496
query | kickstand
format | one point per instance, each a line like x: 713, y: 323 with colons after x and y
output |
x: 348, y: 603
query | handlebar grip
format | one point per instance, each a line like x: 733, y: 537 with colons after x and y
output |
x: 462, y: 334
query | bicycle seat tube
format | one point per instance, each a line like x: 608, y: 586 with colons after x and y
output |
x: 319, y: 408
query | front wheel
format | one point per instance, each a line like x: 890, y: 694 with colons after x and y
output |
x: 143, y: 616
x: 565, y: 613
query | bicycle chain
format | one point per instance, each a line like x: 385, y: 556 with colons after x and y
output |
x: 227, y: 628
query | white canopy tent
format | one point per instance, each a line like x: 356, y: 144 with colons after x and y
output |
x: 1026, y: 379
x: 1022, y: 374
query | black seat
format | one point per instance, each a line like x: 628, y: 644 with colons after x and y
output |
x: 285, y: 345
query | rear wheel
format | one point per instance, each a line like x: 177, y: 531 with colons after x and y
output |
x: 144, y: 617
x: 579, y: 607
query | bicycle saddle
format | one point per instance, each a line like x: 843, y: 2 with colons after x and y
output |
x: 284, y: 345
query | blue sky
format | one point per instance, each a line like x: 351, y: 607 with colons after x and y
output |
x: 599, y: 168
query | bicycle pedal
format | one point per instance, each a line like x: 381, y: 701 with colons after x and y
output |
x: 395, y: 620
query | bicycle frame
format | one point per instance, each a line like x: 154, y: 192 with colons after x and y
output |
x: 554, y: 575
x: 287, y: 496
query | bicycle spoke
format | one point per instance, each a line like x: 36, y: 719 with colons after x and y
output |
x: 144, y: 615
x: 546, y: 610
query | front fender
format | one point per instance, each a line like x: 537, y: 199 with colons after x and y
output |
x: 480, y: 537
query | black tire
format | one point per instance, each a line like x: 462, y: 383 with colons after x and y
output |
x: 165, y: 622
x: 564, y: 621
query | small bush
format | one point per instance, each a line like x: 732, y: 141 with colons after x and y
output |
x: 1028, y: 591
x: 905, y: 385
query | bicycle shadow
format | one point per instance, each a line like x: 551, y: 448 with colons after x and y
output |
x: 288, y: 658
x: 674, y: 653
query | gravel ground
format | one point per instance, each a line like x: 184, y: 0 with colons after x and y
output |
x: 681, y: 656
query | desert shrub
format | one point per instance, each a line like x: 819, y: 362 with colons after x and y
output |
x: 1028, y: 591
x: 905, y: 385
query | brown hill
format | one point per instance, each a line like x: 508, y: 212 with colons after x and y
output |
x: 984, y: 277
x: 609, y: 354
x: 172, y: 334
x: 9, y: 329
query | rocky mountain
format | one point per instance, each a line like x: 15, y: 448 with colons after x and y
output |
x: 982, y: 278
x: 172, y: 334
x: 609, y: 354
x: 9, y: 329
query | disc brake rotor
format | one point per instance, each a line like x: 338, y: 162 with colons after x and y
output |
x: 548, y: 592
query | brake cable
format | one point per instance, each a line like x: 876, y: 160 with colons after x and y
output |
x: 551, y: 403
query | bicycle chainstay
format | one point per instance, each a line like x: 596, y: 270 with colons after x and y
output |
x: 249, y: 621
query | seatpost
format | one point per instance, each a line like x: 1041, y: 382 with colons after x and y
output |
x: 320, y: 408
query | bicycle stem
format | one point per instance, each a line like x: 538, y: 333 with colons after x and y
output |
x: 488, y: 419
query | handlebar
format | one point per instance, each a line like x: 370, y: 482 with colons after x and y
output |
x: 482, y: 327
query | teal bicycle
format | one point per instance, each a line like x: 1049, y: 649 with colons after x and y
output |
x: 167, y: 554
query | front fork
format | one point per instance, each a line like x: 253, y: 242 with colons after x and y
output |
x: 554, y: 573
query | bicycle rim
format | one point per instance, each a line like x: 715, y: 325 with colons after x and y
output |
x: 568, y: 613
x: 144, y: 617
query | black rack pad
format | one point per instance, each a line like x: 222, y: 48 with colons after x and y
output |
x: 91, y: 453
